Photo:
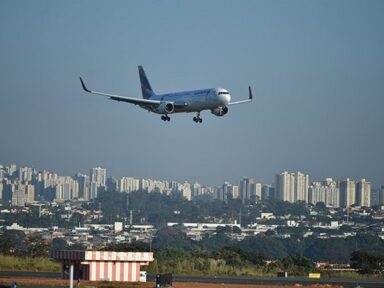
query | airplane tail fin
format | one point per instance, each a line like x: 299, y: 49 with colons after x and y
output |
x: 146, y: 88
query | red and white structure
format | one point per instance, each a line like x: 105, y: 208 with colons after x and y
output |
x: 103, y: 265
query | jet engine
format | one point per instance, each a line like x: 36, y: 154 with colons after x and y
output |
x: 166, y: 108
x: 220, y: 111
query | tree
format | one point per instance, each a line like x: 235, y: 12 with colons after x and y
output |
x: 36, y: 247
x: 368, y: 263
x: 297, y: 262
x: 6, y: 245
x: 14, y: 242
x: 320, y: 206
x: 171, y: 236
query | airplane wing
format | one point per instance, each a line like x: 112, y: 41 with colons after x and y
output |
x: 136, y: 101
x: 250, y: 97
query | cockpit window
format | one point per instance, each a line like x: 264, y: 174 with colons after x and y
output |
x: 220, y: 93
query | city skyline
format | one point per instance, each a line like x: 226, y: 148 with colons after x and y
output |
x: 111, y: 175
x: 27, y: 184
x: 316, y: 70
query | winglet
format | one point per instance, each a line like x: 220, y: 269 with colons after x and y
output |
x: 250, y: 92
x: 85, y: 88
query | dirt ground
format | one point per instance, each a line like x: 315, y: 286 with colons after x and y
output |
x: 22, y: 282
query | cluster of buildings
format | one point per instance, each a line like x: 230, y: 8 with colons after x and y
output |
x: 23, y: 185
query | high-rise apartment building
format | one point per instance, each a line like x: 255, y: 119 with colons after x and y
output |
x: 332, y: 198
x: 267, y: 192
x: 99, y: 176
x: 129, y: 184
x: 18, y: 195
x: 301, y: 187
x: 363, y: 193
x: 112, y: 184
x: 98, y: 181
x: 284, y: 185
x: 325, y: 191
x: 245, y: 189
x: 29, y: 193
x: 381, y: 195
x: 196, y: 189
x: 292, y: 187
x: 187, y: 193
x: 234, y: 191
x: 25, y: 174
x: 347, y: 192
x: 84, y: 186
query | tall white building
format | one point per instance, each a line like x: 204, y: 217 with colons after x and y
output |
x: 25, y: 174
x: 196, y: 189
x: 332, y: 198
x: 187, y: 193
x: 347, y: 192
x: 99, y: 176
x: 363, y: 193
x: 326, y: 192
x: 18, y: 195
x: 234, y: 191
x: 129, y: 184
x: 292, y: 187
x: 284, y: 185
x: 11, y: 169
x: 66, y: 189
x: 317, y: 193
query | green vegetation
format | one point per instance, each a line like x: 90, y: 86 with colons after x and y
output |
x: 28, y: 264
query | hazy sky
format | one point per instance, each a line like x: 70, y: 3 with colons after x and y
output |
x: 316, y: 69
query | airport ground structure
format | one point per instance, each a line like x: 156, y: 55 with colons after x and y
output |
x: 102, y: 265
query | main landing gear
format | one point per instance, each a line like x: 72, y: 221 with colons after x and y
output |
x: 197, y: 119
x: 165, y: 118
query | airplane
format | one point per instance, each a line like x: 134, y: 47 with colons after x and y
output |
x: 215, y: 99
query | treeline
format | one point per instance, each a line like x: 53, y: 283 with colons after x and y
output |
x: 16, y: 243
x: 174, y: 251
x: 333, y: 250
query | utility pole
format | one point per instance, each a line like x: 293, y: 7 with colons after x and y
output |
x: 71, y: 276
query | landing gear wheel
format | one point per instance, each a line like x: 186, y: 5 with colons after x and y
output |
x: 197, y: 118
x: 165, y: 118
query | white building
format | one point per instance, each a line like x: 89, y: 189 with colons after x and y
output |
x: 347, y: 193
x: 292, y: 187
x: 186, y: 190
x: 326, y: 192
x: 129, y: 184
x: 99, y: 176
x: 363, y: 193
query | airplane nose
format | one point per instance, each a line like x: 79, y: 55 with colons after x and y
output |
x: 228, y: 98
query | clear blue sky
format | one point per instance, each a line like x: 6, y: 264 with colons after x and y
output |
x: 316, y: 68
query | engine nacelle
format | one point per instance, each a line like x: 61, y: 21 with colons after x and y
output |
x: 220, y: 111
x: 166, y: 108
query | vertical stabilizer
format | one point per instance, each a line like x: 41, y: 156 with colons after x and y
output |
x: 146, y: 88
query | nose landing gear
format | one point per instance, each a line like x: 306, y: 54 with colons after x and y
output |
x: 197, y: 119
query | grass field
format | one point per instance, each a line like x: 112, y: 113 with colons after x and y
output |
x: 28, y: 264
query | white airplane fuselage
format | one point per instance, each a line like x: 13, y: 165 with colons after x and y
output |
x: 195, y: 101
